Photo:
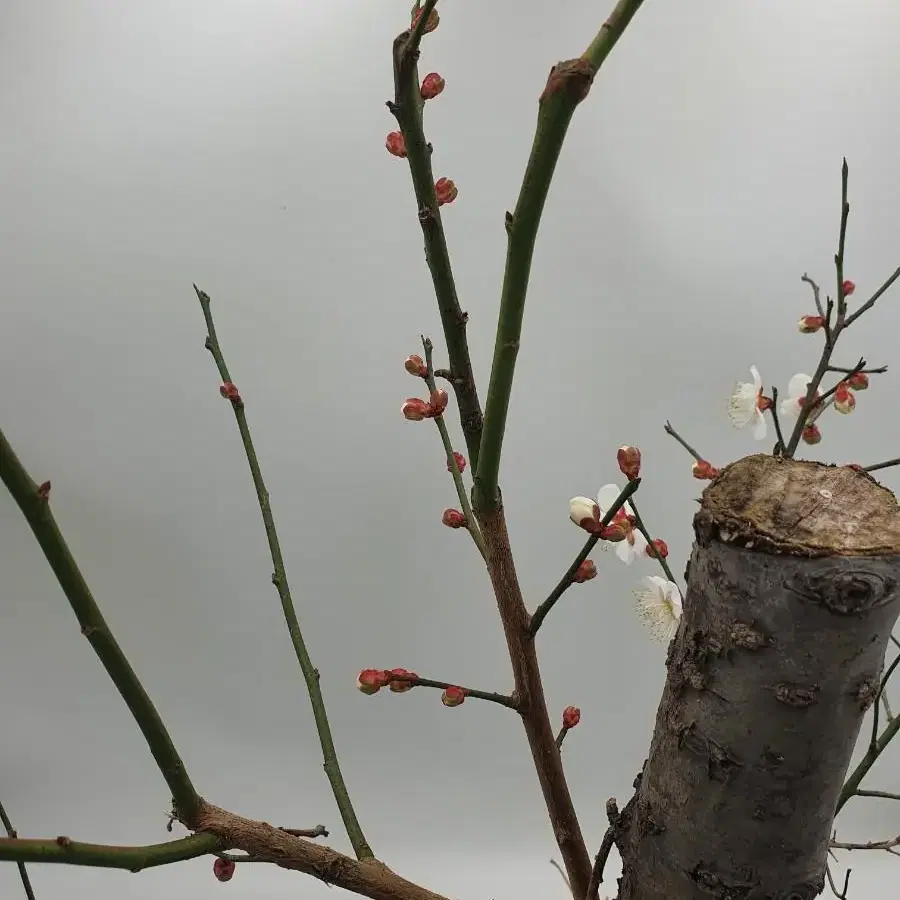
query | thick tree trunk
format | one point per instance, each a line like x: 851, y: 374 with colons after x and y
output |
x: 793, y: 588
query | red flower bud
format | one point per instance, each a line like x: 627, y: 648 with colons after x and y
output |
x: 657, y: 549
x: 571, y: 717
x: 415, y: 409
x: 404, y: 684
x: 453, y: 696
x: 629, y: 459
x: 585, y: 572
x: 844, y: 401
x: 396, y: 144
x: 370, y: 681
x: 445, y: 190
x: 848, y: 287
x: 704, y: 470
x: 223, y: 869
x: 855, y: 466
x: 810, y: 324
x: 415, y: 365
x: 432, y: 85
x: 43, y: 491
x: 230, y: 392
x: 460, y: 462
x: 859, y: 381
x: 431, y: 23
x: 453, y: 518
x: 437, y: 402
x: 616, y: 531
x: 811, y: 434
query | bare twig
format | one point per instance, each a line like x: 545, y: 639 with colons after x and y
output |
x: 871, y: 301
x: 600, y: 859
x: 490, y: 696
x: 889, y: 844
x: 842, y: 894
x: 279, y: 579
x: 23, y: 872
x: 882, y: 465
x: 884, y: 795
x: 673, y: 433
x: 639, y: 524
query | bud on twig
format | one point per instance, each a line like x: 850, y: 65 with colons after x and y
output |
x: 396, y: 144
x: 704, y: 470
x: 431, y: 22
x: 453, y: 518
x: 848, y: 287
x: 402, y: 685
x: 810, y: 324
x: 844, y: 401
x: 585, y: 572
x: 437, y: 402
x: 371, y: 681
x: 460, y: 462
x: 657, y: 549
x: 859, y: 381
x: 230, y: 392
x: 415, y: 365
x: 811, y: 434
x: 223, y: 869
x: 629, y: 459
x: 415, y: 409
x: 571, y: 717
x: 432, y: 85
x: 445, y: 190
x: 585, y: 514
x: 453, y: 696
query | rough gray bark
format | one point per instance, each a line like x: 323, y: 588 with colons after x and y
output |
x: 793, y: 588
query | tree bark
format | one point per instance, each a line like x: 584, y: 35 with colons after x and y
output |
x: 793, y: 588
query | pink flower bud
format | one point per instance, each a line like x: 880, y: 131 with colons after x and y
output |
x: 460, y: 462
x: 415, y: 365
x: 453, y: 696
x: 811, y: 434
x: 859, y: 381
x: 430, y: 24
x: 855, y: 466
x: 396, y: 144
x: 848, y: 287
x: 437, y: 402
x: 657, y: 549
x: 415, y: 409
x: 445, y: 190
x: 370, y: 681
x: 585, y: 514
x: 571, y: 717
x: 432, y: 85
x: 230, y: 392
x: 703, y: 470
x: 43, y: 491
x: 402, y: 685
x: 585, y: 572
x: 223, y: 869
x: 629, y: 459
x: 617, y: 530
x: 810, y: 324
x: 453, y: 518
x: 844, y: 401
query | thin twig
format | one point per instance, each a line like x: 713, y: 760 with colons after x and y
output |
x: 600, y: 859
x: 489, y: 696
x: 871, y: 301
x: 567, y: 580
x: 882, y: 465
x: 873, y: 741
x: 779, y: 446
x: 816, y: 293
x: 889, y: 844
x: 23, y: 872
x: 878, y: 370
x: 671, y: 431
x: 841, y: 895
x: 639, y: 524
x: 461, y: 492
x: 884, y: 795
x: 279, y: 579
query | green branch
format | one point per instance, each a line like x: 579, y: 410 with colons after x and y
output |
x: 279, y: 579
x: 33, y: 500
x: 407, y: 108
x: 105, y: 856
x: 567, y: 86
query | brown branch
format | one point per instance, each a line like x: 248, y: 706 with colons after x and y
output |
x: 415, y: 681
x: 884, y: 795
x: 871, y: 301
x: 842, y: 894
x: 23, y: 872
x: 529, y: 693
x: 882, y: 465
x: 600, y: 862
x: 889, y: 844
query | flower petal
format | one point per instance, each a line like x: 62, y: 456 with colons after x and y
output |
x: 742, y: 404
x: 757, y: 378
x: 798, y: 386
x: 606, y: 496
x: 759, y: 427
x: 659, y: 607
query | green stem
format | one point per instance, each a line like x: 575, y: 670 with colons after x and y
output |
x: 866, y: 763
x: 106, y: 856
x: 407, y: 109
x: 23, y: 872
x: 461, y: 493
x: 567, y: 86
x: 279, y: 579
x: 33, y: 501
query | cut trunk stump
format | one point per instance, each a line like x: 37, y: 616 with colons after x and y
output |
x: 793, y: 589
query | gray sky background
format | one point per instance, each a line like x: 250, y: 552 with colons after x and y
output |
x: 241, y: 145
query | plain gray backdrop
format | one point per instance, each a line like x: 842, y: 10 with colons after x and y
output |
x: 241, y: 145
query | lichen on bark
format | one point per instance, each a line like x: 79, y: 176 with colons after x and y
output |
x: 793, y: 588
